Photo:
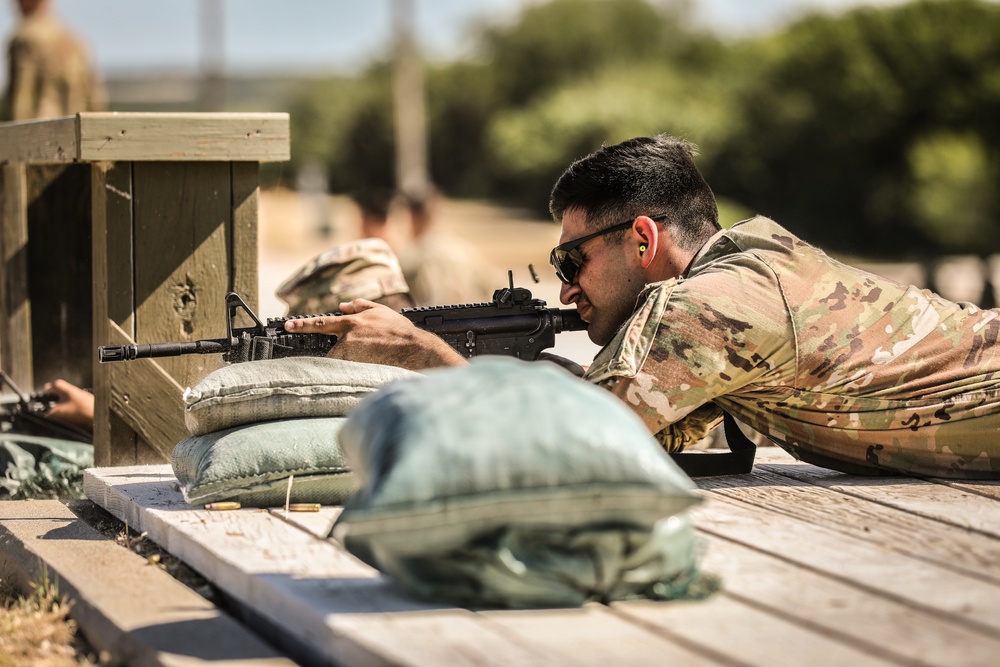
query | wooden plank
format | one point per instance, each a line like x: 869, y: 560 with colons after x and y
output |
x: 950, y: 503
x: 878, y: 521
x: 741, y: 634
x: 838, y: 609
x: 115, y: 136
x: 349, y: 614
x: 949, y: 594
x: 182, y: 222
x: 51, y: 140
x: 139, y: 614
x: 59, y: 272
x: 15, y: 302
x: 249, y: 137
x: 988, y: 489
x: 149, y: 402
x: 111, y: 196
x: 243, y: 247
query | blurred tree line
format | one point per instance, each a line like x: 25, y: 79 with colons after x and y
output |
x: 872, y: 132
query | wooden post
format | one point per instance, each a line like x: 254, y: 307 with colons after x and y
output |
x: 412, y: 176
x: 168, y: 203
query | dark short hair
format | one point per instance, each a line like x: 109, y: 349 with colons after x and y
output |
x: 374, y: 201
x: 640, y: 176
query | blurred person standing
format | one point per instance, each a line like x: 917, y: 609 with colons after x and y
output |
x: 440, y: 268
x: 373, y: 205
x: 49, y: 69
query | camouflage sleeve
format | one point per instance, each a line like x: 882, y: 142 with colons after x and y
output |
x: 696, y: 340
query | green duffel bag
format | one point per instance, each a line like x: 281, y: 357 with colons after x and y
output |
x: 515, y: 484
x: 39, y: 467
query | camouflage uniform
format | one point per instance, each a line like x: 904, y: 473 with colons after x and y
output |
x: 836, y: 365
x: 442, y: 270
x: 365, y: 269
x: 50, y: 74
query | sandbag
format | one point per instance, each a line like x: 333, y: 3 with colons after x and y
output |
x: 286, y: 388
x: 515, y: 484
x: 251, y: 464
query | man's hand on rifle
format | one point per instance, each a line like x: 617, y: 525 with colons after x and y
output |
x: 376, y: 334
x: 75, y: 406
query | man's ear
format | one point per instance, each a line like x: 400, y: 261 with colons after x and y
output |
x: 648, y: 237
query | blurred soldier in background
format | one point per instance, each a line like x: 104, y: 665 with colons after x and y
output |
x: 50, y: 72
x: 374, y: 205
x: 363, y: 269
x: 440, y: 268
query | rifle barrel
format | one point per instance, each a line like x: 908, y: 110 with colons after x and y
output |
x: 107, y: 353
x: 567, y: 319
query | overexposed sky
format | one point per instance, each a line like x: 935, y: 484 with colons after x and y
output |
x: 339, y: 35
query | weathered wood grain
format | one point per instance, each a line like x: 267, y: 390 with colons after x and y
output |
x: 111, y: 198
x: 134, y: 136
x: 948, y: 501
x: 59, y: 272
x: 868, y: 620
x: 148, y: 401
x: 248, y: 137
x: 875, y: 567
x: 182, y: 221
x: 51, y: 140
x: 15, y: 302
x: 860, y: 512
x: 742, y: 634
x: 243, y: 247
x: 323, y: 597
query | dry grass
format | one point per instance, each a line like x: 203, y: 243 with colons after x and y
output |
x: 36, y: 631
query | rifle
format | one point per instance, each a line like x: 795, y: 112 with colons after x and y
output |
x: 512, y: 324
x: 25, y: 414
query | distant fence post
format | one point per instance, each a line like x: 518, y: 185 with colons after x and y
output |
x: 118, y: 228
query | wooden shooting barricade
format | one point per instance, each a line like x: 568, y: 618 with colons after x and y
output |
x: 118, y: 228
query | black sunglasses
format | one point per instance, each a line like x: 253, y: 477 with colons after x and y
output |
x: 566, y: 259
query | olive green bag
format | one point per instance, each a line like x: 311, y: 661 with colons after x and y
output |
x: 515, y: 484
x: 256, y: 424
x: 251, y: 464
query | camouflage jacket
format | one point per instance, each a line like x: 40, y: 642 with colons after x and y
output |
x: 829, y: 361
x: 50, y: 73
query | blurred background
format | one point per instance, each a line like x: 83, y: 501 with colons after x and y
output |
x: 867, y: 127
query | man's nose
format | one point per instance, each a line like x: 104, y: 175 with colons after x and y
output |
x: 569, y: 293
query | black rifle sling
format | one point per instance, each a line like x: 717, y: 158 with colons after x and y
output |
x: 737, y: 461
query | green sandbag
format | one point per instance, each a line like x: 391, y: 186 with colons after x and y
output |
x: 512, y: 484
x: 251, y: 464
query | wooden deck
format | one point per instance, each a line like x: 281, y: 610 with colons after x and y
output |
x: 818, y: 568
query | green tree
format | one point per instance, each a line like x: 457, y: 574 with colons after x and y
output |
x: 829, y: 134
x: 954, y: 201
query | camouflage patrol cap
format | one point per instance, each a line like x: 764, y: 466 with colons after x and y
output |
x: 363, y: 269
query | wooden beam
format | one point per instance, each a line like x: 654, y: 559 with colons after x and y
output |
x: 39, y: 141
x: 101, y: 136
x: 15, y: 302
x: 253, y: 137
x: 111, y: 196
x: 243, y: 253
x: 147, y: 399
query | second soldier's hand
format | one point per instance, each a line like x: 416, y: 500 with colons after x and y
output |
x: 376, y: 334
